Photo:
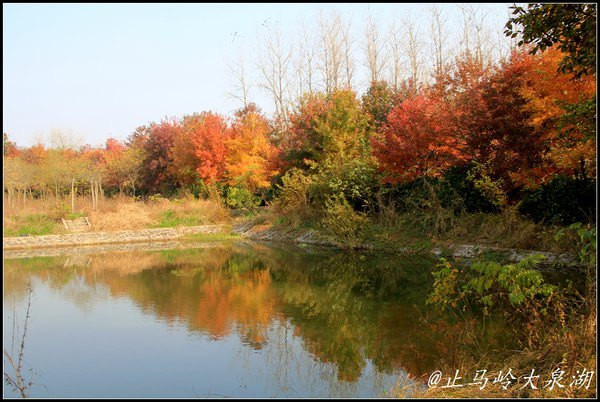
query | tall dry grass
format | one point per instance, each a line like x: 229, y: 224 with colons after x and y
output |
x: 119, y: 213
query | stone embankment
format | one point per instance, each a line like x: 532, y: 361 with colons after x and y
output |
x: 269, y: 233
x: 123, y: 236
x: 106, y: 248
x: 258, y: 232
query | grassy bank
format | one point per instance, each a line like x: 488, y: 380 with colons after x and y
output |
x: 41, y: 217
x: 387, y: 229
x: 421, y: 230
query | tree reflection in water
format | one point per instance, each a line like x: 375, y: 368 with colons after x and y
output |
x: 347, y: 310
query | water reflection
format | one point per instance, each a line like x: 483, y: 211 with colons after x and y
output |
x: 352, y: 313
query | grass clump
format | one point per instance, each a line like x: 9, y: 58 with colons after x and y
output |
x: 171, y: 218
x: 31, y: 225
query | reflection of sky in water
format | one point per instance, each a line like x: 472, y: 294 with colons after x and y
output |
x: 87, y: 339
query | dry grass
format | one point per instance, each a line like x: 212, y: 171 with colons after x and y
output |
x: 120, y: 213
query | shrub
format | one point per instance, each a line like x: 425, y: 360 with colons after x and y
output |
x: 564, y: 200
x: 461, y: 188
x: 294, y: 190
x: 157, y: 199
x: 586, y: 242
x: 517, y: 289
x: 237, y: 197
x: 460, y: 181
x: 60, y: 211
x: 343, y: 224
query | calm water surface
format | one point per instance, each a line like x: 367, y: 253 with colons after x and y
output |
x: 227, y: 320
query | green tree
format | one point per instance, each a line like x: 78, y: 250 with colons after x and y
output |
x: 379, y: 99
x: 571, y: 26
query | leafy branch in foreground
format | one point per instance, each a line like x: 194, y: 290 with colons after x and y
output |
x: 518, y: 287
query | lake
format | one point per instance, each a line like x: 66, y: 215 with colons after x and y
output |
x: 231, y: 319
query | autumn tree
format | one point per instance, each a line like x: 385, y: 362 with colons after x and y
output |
x: 490, y: 113
x: 122, y: 166
x: 553, y: 99
x: 19, y: 177
x: 208, y: 133
x: 183, y: 152
x: 156, y: 140
x: 417, y: 141
x: 330, y: 140
x: 9, y: 148
x: 250, y: 157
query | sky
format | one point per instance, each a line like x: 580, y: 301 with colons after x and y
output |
x: 101, y: 70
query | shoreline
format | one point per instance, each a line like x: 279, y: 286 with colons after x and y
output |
x: 267, y: 233
x: 97, y: 238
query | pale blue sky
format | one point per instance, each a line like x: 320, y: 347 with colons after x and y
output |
x: 102, y: 70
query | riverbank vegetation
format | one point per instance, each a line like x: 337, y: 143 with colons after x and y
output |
x: 554, y: 326
x: 491, y: 151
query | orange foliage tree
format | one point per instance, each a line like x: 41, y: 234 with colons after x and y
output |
x: 417, y: 141
x: 550, y: 96
x: 251, y: 159
x: 208, y: 134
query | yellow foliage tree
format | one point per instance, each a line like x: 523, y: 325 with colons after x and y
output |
x: 251, y: 158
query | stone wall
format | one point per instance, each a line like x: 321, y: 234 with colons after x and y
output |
x: 107, y: 248
x: 269, y: 233
x: 124, y: 236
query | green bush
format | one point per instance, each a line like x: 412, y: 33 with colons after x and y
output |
x: 462, y: 181
x: 237, y: 197
x: 564, y: 200
x: 294, y: 190
x: 586, y: 242
x: 457, y: 190
x: 343, y: 224
x: 517, y: 288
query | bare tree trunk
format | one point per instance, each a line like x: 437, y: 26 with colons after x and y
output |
x: 242, y: 87
x: 274, y: 68
x: 395, y: 53
x: 347, y: 45
x: 73, y: 195
x: 93, y: 195
x: 306, y: 64
x: 374, y: 51
x: 413, y: 48
x: 438, y: 36
x: 332, y: 49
